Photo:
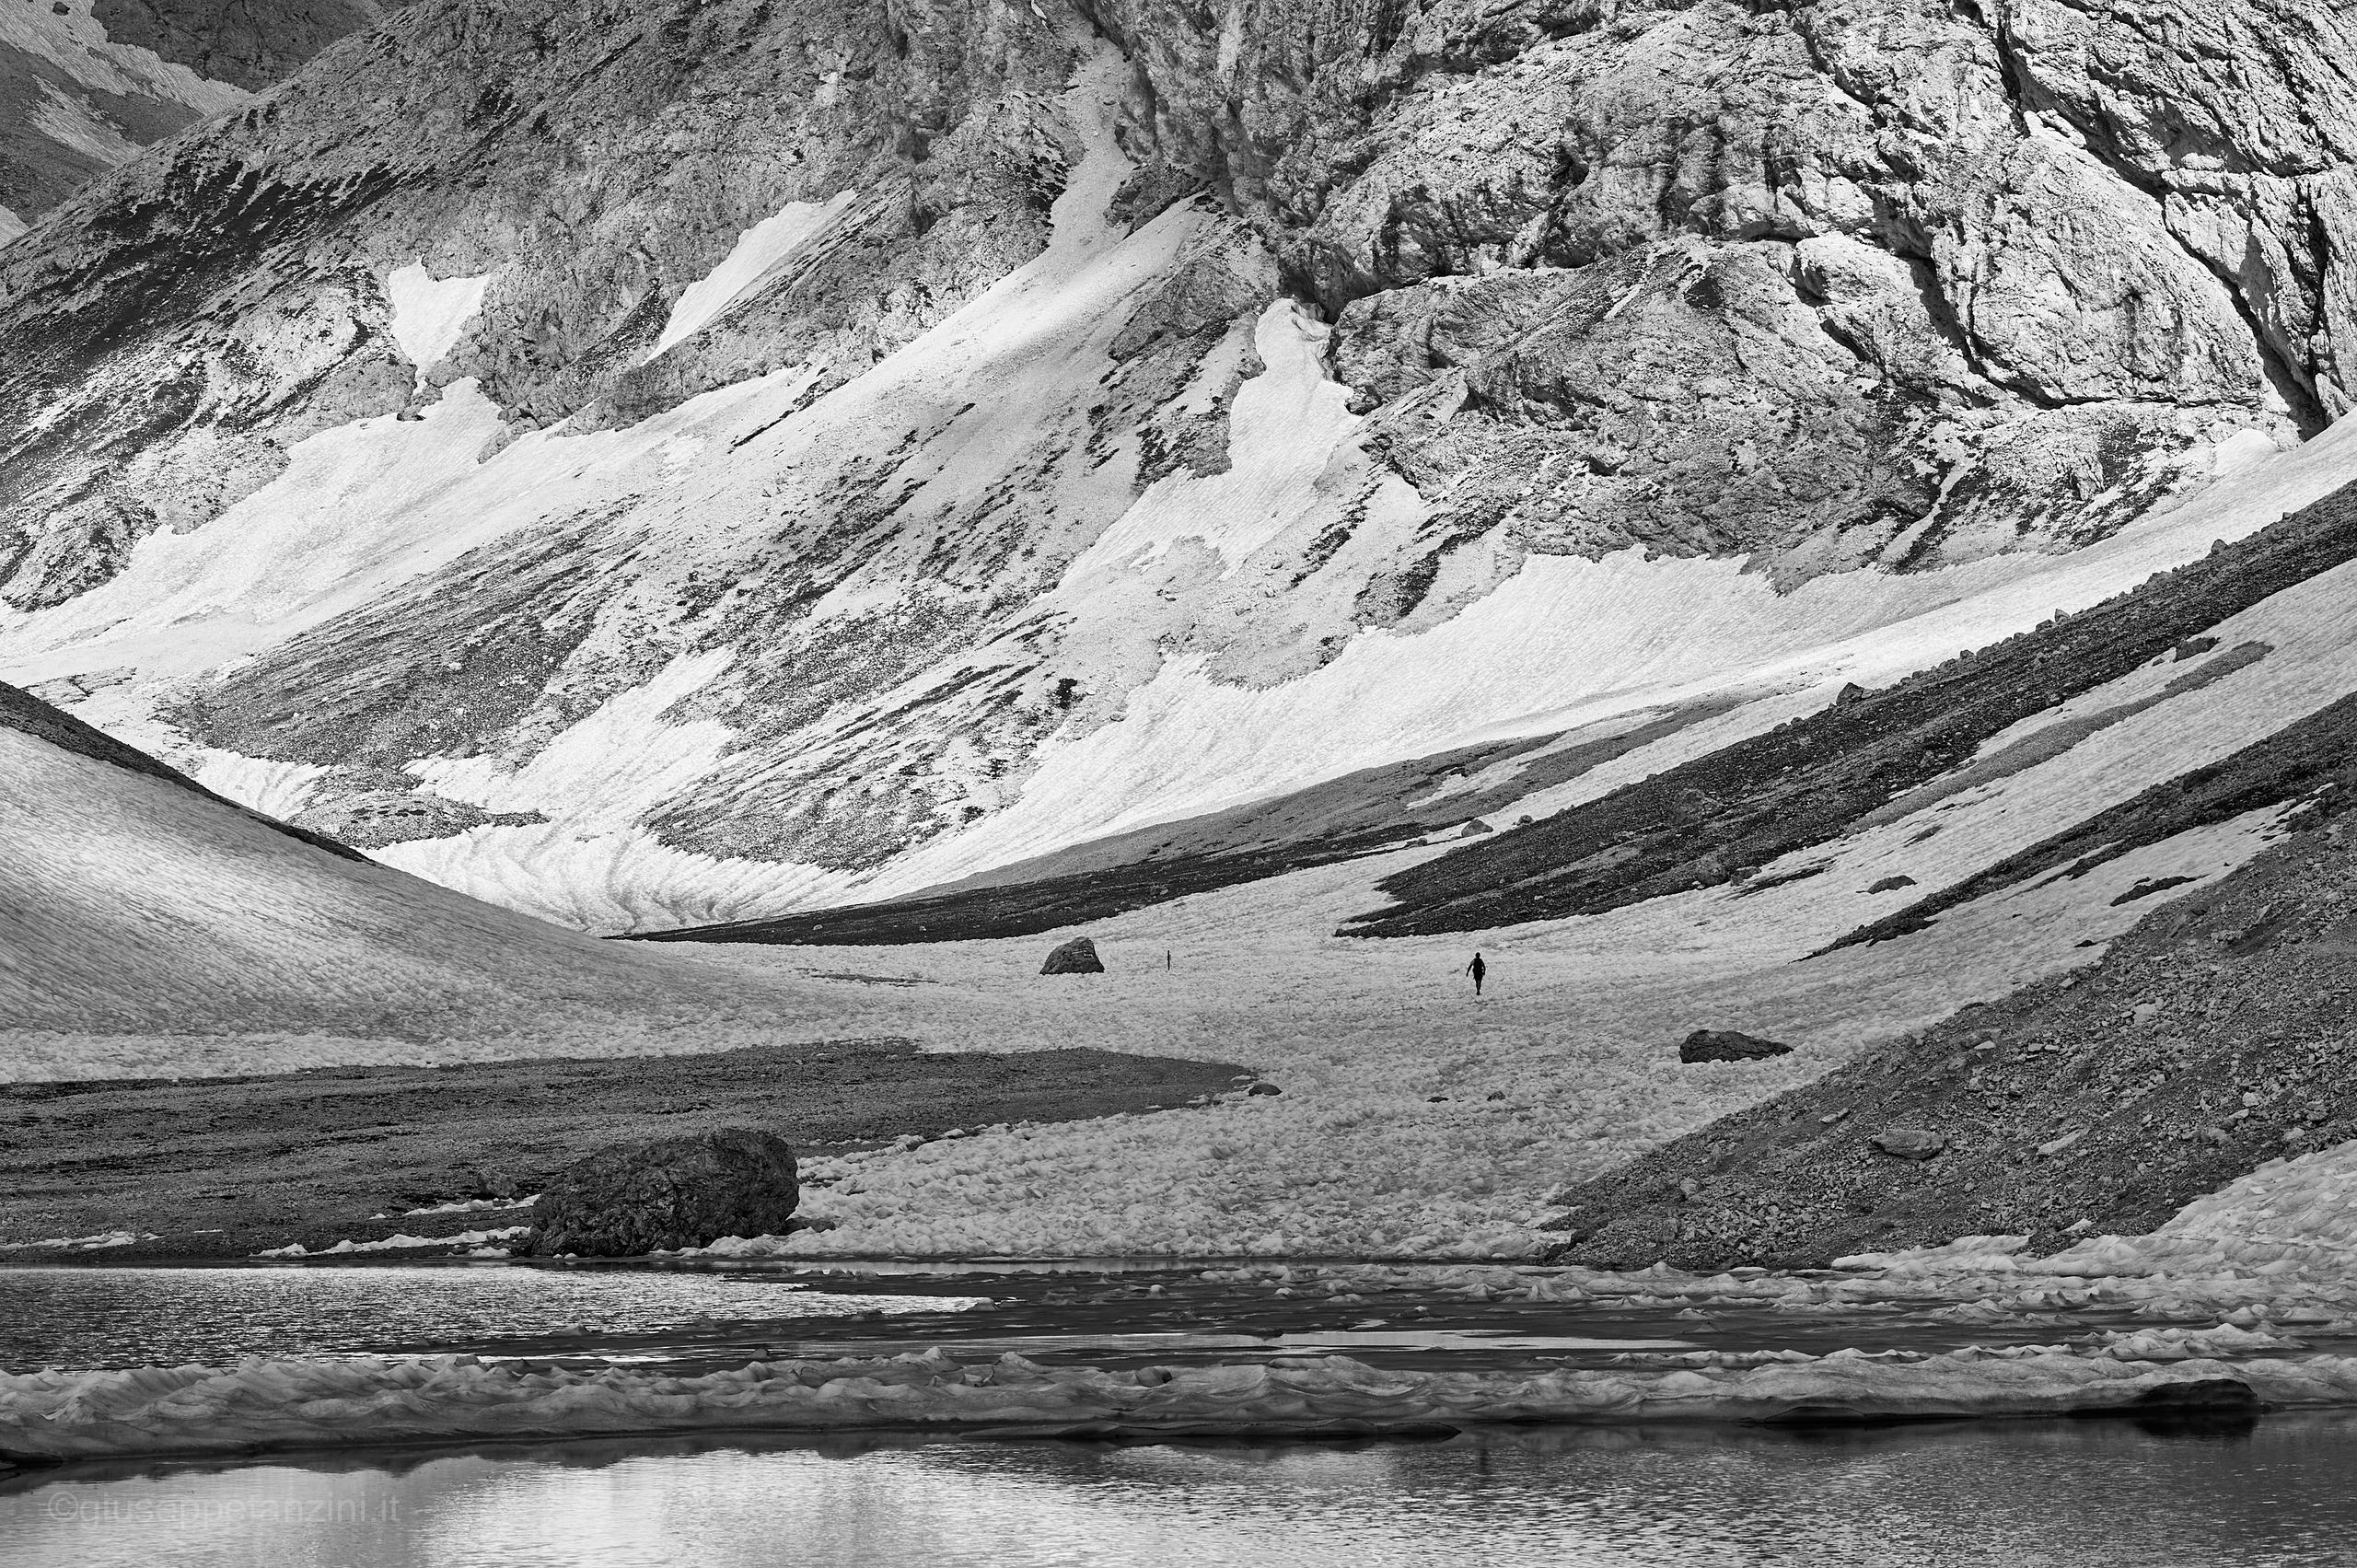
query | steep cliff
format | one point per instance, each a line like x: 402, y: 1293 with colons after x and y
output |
x: 667, y: 464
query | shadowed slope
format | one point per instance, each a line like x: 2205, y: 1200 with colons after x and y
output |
x: 129, y: 897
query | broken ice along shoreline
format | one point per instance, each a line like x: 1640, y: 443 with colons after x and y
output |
x: 50, y: 1416
x: 2237, y: 1355
x: 2219, y: 1296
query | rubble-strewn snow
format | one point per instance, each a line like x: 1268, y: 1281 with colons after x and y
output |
x: 58, y: 1415
x: 2289, y: 1216
x: 431, y: 314
x: 759, y: 252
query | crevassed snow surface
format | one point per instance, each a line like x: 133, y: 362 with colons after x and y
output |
x: 430, y: 314
x: 758, y: 251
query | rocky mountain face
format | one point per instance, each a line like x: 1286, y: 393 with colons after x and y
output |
x: 86, y: 83
x: 675, y: 463
x: 247, y: 43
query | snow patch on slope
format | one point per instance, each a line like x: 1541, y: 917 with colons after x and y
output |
x: 273, y: 788
x: 1285, y: 423
x: 760, y: 251
x: 621, y: 760
x: 11, y: 226
x: 361, y: 508
x: 70, y: 122
x: 589, y: 866
x: 430, y: 314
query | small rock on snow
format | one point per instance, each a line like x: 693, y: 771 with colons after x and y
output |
x: 1727, y: 1045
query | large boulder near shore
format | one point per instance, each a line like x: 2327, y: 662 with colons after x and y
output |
x: 1075, y: 957
x: 1726, y: 1045
x: 674, y: 1192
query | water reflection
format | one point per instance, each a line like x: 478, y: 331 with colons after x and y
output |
x: 2053, y: 1495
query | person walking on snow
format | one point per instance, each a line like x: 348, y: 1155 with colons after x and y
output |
x: 1477, y: 969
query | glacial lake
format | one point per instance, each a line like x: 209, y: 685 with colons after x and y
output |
x: 2044, y: 1494
x: 2109, y: 1494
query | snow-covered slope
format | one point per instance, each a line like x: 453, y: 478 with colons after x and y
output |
x: 659, y: 466
x: 132, y: 899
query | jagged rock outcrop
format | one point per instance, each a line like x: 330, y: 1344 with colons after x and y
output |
x: 247, y: 43
x: 85, y: 85
x: 890, y: 422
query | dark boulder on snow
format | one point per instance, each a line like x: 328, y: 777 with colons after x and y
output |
x: 1726, y: 1045
x: 1890, y: 884
x: 1075, y: 957
x: 675, y: 1192
x: 1475, y: 829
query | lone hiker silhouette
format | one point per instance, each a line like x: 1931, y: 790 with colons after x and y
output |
x: 1477, y: 969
